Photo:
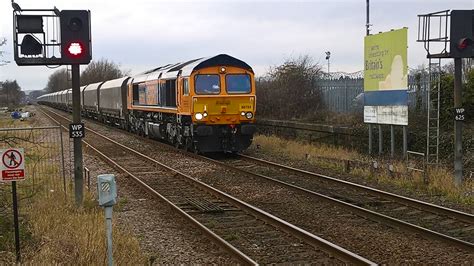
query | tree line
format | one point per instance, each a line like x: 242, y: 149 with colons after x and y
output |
x: 11, y: 94
x: 96, y: 71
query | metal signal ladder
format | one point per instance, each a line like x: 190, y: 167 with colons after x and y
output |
x: 433, y: 107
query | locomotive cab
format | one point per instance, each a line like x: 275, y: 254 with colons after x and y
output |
x: 223, y: 108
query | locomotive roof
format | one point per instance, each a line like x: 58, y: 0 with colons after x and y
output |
x: 218, y: 60
x: 186, y: 68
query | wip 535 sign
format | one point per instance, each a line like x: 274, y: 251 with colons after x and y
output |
x: 13, y: 164
x: 76, y: 131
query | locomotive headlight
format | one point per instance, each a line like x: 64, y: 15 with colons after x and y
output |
x: 242, y: 114
x: 198, y: 116
x: 249, y: 115
x: 204, y: 114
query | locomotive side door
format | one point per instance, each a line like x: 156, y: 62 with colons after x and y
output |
x: 183, y: 96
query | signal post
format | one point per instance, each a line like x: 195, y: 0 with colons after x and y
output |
x: 75, y: 45
x: 460, y: 45
x: 42, y: 45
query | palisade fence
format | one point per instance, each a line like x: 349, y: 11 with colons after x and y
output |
x: 343, y: 93
x: 44, y: 156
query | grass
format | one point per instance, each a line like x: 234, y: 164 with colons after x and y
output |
x: 65, y: 234
x: 440, y: 181
x: 53, y: 230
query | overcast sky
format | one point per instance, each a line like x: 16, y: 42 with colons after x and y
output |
x: 143, y: 34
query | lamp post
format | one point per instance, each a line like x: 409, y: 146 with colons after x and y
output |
x: 328, y: 55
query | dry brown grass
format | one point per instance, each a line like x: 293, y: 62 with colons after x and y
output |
x: 55, y: 231
x: 440, y: 180
x: 68, y: 235
x: 298, y: 150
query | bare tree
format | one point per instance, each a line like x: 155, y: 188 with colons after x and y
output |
x: 101, y: 70
x: 289, y: 90
x: 3, y: 41
x: 58, y: 81
x: 10, y: 93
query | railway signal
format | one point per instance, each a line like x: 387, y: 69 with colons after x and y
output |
x: 462, y: 29
x: 75, y: 36
x: 40, y: 44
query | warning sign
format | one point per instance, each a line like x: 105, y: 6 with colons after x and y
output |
x: 13, y: 164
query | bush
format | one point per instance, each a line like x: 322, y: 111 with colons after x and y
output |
x: 288, y: 91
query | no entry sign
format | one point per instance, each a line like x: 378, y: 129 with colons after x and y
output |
x: 12, y: 164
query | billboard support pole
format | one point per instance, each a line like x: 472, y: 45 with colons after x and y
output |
x: 392, y: 141
x: 370, y: 139
x: 380, y: 139
x: 458, y: 166
x: 405, y: 142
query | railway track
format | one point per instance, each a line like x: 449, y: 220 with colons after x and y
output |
x: 431, y: 221
x: 250, y: 234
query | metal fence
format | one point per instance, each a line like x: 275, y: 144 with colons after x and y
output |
x: 344, y: 94
x: 44, y: 155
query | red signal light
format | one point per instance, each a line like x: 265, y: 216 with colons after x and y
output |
x: 463, y: 43
x: 75, y: 49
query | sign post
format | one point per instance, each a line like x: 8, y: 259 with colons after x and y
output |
x: 76, y: 119
x: 458, y: 166
x: 13, y: 169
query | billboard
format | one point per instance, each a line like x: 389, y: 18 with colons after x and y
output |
x: 386, y: 78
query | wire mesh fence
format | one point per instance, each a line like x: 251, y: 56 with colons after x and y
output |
x: 44, y: 156
x: 344, y: 93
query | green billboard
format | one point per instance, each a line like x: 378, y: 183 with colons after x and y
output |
x: 385, y: 61
x: 385, y: 78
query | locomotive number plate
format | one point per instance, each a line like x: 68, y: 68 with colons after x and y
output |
x: 245, y: 107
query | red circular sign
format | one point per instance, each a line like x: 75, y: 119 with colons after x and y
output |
x: 12, y: 159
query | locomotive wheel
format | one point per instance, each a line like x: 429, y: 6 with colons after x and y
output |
x: 176, y: 143
x: 195, y: 148
x: 188, y: 145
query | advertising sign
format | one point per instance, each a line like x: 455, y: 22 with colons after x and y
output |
x: 386, y: 78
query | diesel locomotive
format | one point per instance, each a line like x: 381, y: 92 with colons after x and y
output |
x: 204, y: 105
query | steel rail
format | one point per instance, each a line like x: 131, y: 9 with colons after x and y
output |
x: 220, y: 241
x: 378, y: 217
x: 466, y: 217
x: 308, y: 237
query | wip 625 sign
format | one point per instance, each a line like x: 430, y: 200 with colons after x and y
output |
x: 76, y: 131
x: 12, y: 164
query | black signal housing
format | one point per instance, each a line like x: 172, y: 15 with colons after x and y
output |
x: 75, y: 36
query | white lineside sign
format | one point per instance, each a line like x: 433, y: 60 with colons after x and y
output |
x: 12, y: 164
